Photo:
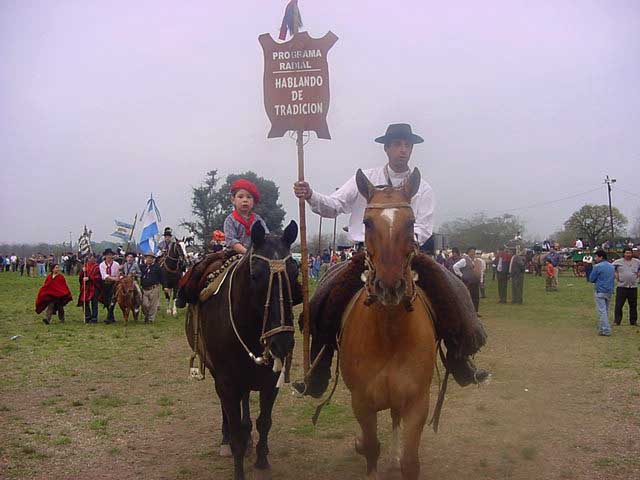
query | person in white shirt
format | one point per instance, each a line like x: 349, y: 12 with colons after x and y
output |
x: 579, y: 245
x: 110, y: 273
x: 398, y: 144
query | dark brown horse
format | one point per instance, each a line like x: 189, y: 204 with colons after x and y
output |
x: 246, y: 331
x: 174, y: 262
x: 125, y: 294
x: 387, y: 344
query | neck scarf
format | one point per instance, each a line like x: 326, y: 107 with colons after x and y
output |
x: 243, y: 221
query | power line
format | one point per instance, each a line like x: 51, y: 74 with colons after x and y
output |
x: 549, y: 202
x: 628, y: 193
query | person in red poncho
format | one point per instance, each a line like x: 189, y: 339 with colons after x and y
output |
x: 90, y: 284
x: 53, y: 295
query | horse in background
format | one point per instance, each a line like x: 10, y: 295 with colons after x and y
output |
x: 174, y: 263
x: 388, y: 338
x: 244, y: 333
x: 125, y: 295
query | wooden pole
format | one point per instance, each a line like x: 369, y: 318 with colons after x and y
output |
x: 135, y: 220
x: 305, y: 260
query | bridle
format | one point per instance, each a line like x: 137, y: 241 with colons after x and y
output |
x: 277, y: 269
x: 369, y: 275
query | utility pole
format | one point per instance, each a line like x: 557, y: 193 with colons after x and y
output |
x: 320, y: 237
x: 70, y: 243
x: 609, y: 182
x: 335, y: 220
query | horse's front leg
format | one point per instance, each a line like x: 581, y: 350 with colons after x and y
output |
x: 414, y: 417
x: 368, y: 445
x: 167, y: 295
x: 247, y: 424
x: 263, y: 425
x: 237, y: 434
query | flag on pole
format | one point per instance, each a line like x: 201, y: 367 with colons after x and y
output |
x: 291, y: 21
x: 84, y: 242
x: 123, y: 230
x: 150, y: 220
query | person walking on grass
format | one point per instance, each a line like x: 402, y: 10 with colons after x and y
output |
x: 469, y: 272
x: 152, y: 279
x: 627, y: 274
x: 603, y: 275
x: 502, y: 273
x: 517, y: 266
x: 549, y: 274
x: 53, y: 295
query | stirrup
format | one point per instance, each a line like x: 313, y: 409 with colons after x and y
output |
x: 196, y: 373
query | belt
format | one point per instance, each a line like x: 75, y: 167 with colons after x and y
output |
x: 152, y: 286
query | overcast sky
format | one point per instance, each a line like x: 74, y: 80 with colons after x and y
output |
x: 520, y: 103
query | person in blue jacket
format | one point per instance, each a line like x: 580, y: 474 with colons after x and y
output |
x: 603, y: 276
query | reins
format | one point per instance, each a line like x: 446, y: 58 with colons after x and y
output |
x: 277, y: 268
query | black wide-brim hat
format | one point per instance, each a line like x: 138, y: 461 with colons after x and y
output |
x: 399, y: 130
x: 168, y: 232
x: 108, y: 251
x: 130, y: 253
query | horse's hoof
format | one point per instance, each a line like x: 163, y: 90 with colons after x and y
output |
x: 225, y: 450
x: 358, y: 446
x: 263, y: 474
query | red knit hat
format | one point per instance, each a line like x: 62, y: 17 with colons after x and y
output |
x: 242, y: 184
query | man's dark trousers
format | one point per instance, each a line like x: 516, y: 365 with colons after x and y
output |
x: 517, y: 284
x: 503, y: 281
x: 474, y: 292
x: 91, y: 310
x: 624, y: 294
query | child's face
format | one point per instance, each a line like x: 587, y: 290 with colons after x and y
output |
x: 242, y: 201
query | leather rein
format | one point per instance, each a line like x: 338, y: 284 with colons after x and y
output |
x: 277, y: 270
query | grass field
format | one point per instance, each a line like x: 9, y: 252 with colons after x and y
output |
x: 104, y: 402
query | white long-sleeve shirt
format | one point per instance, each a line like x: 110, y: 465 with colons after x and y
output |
x: 347, y: 199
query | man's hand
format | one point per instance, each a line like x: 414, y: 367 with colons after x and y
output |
x: 302, y: 190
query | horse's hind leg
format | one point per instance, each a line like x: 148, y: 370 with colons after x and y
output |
x: 263, y: 425
x: 368, y: 445
x: 413, y: 419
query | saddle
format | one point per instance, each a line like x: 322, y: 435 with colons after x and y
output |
x: 455, y: 318
x: 195, y: 280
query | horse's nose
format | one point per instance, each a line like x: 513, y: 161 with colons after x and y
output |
x: 391, y: 294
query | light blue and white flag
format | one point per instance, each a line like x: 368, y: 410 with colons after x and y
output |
x: 150, y: 220
x: 123, y: 230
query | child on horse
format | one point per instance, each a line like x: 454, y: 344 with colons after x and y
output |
x: 237, y: 234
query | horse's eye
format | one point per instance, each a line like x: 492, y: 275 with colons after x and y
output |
x: 410, y: 223
x: 368, y: 223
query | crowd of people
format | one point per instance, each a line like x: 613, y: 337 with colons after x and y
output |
x: 99, y: 278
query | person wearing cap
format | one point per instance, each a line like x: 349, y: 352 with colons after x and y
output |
x: 110, y: 274
x: 152, y: 280
x: 459, y: 326
x: 398, y: 146
x: 131, y: 267
x: 237, y: 225
x: 165, y: 243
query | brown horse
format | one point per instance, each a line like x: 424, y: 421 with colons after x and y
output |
x: 125, y: 295
x: 387, y: 345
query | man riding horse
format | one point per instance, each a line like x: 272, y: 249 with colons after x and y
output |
x: 457, y: 323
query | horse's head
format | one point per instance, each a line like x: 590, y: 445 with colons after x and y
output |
x: 273, y: 275
x: 126, y: 284
x: 389, y: 238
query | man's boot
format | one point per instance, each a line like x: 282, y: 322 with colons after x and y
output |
x: 464, y: 370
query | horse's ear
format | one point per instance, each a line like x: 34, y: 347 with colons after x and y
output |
x: 412, y: 184
x: 257, y: 234
x: 290, y: 233
x: 365, y: 187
